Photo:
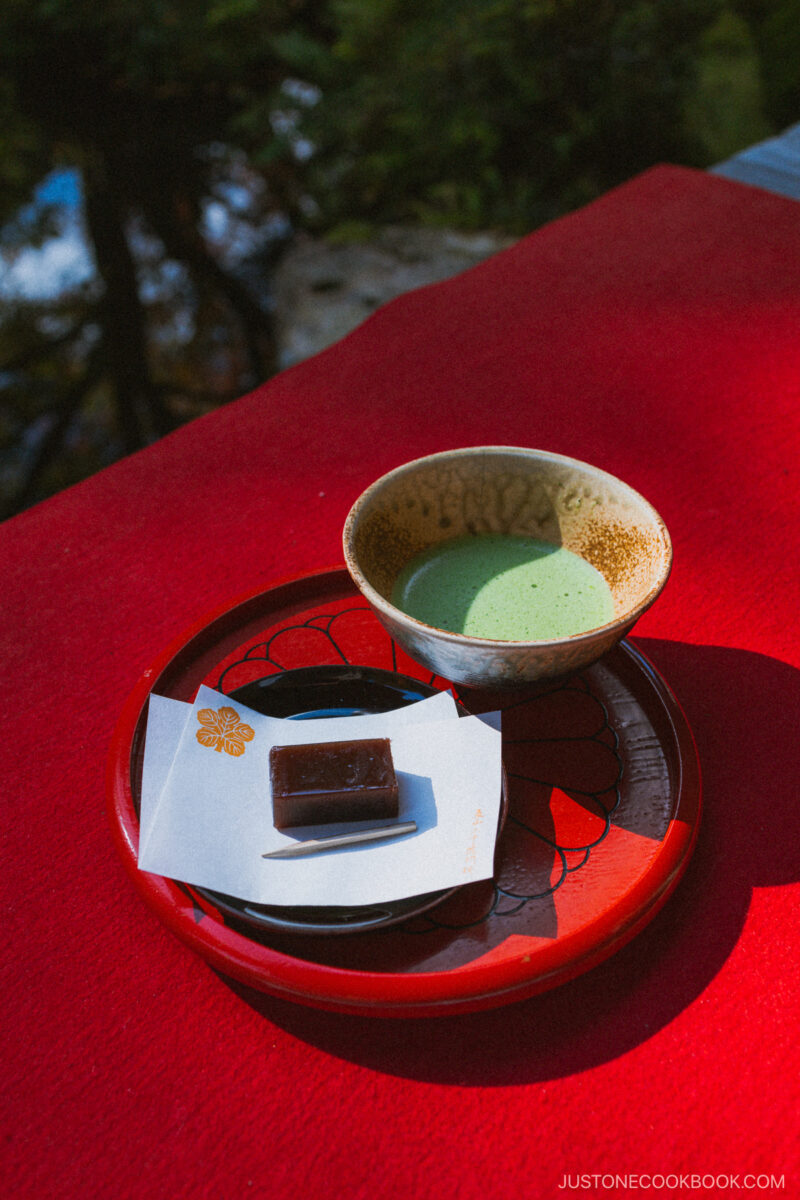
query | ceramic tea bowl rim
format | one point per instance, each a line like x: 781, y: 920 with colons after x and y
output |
x: 622, y: 622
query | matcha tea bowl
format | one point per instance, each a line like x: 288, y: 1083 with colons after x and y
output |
x: 497, y: 566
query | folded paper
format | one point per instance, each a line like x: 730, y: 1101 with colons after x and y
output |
x: 206, y: 813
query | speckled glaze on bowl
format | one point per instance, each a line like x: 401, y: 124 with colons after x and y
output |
x: 506, y: 489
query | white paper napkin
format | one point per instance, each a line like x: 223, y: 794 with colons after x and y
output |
x: 206, y: 811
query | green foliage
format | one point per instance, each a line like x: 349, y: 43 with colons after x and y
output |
x: 726, y: 108
x: 775, y: 25
x: 470, y: 113
x: 501, y: 112
x: 152, y: 80
x: 139, y: 97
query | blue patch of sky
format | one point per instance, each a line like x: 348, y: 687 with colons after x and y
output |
x: 63, y: 261
x: 61, y: 187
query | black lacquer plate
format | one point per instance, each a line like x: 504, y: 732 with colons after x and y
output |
x: 318, y: 692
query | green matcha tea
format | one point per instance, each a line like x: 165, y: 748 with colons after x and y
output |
x: 505, y: 587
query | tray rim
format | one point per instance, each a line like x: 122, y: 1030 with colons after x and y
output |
x: 467, y: 988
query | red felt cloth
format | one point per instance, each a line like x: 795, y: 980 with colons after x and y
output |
x: 655, y: 333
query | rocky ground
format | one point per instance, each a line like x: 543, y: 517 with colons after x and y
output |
x: 324, y: 290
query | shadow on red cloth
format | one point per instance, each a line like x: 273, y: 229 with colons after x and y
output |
x: 742, y: 708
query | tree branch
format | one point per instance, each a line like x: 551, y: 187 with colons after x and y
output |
x: 138, y: 403
x: 51, y: 443
x: 183, y: 241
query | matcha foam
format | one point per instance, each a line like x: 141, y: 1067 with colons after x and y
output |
x: 505, y: 587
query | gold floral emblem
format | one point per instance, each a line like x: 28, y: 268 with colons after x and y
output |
x: 223, y: 730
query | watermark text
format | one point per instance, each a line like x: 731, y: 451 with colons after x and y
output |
x: 671, y: 1182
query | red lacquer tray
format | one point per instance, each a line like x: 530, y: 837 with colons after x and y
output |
x: 604, y: 806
